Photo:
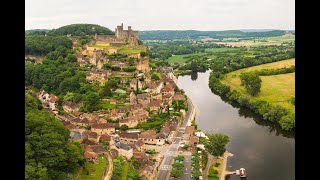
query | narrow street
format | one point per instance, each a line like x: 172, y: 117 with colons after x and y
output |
x: 165, y: 166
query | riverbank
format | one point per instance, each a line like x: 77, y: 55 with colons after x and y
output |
x: 224, y: 171
x: 222, y: 168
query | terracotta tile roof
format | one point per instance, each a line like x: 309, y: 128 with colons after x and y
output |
x: 103, y: 126
x: 105, y: 137
x: 167, y: 88
x: 139, y: 143
x: 137, y: 106
x: 90, y: 155
x: 87, y: 142
x: 167, y: 95
x: 129, y: 135
x: 53, y: 98
x: 144, y: 96
x: 155, y: 103
x: 134, y: 118
x: 98, y: 149
x: 189, y: 130
x: 87, y: 148
x: 149, y: 134
x: 179, y: 96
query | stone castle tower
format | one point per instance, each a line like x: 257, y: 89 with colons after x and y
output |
x: 130, y: 36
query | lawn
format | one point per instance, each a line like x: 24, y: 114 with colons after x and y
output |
x: 224, y: 49
x: 132, y: 51
x: 106, y: 105
x: 125, y: 170
x: 93, y: 171
x: 99, y: 46
x: 276, y: 89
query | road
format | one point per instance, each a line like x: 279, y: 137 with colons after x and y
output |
x: 206, y: 170
x: 165, y: 166
x: 187, y: 168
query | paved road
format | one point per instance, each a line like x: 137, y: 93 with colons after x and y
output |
x: 187, y: 168
x: 165, y: 166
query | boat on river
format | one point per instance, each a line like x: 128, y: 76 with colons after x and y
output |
x: 243, y: 172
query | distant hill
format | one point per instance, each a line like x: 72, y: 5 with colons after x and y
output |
x: 80, y: 30
x: 192, y: 34
x: 257, y: 30
x: 36, y: 31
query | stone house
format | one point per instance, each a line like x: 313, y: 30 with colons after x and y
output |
x: 124, y: 149
x: 105, y: 137
x: 99, y: 149
x: 178, y: 96
x: 167, y: 89
x: 136, y: 108
x: 92, y: 136
x: 80, y: 122
x: 155, y: 105
x: 140, y: 112
x: 167, y: 98
x: 133, y: 84
x: 98, y: 76
x: 139, y: 145
x: 128, y: 137
x: 151, y: 137
x: 90, y: 156
x: 70, y: 106
x: 88, y: 142
x: 143, y: 99
x: 123, y: 111
x: 105, y: 128
x: 132, y: 121
x: 133, y: 98
x: 50, y: 101
x: 155, y: 87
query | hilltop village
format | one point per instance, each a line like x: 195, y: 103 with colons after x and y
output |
x: 128, y: 126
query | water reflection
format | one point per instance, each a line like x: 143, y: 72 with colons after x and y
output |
x: 194, y: 76
x: 260, y: 146
x: 247, y: 113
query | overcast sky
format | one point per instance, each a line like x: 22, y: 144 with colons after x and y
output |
x: 163, y: 14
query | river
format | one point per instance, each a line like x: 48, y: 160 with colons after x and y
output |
x: 261, y: 147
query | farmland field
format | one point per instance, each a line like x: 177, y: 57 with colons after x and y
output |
x: 287, y: 38
x: 276, y: 89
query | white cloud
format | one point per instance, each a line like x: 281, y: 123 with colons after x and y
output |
x: 164, y: 14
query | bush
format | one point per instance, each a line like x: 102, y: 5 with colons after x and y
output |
x: 287, y: 122
x: 217, y: 164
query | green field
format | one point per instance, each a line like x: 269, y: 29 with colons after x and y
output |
x: 125, y: 170
x: 93, y: 171
x: 276, y: 89
x: 180, y: 58
x: 131, y: 51
x: 224, y: 49
x: 277, y: 40
x: 99, y: 46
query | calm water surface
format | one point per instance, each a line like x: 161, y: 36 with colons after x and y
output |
x: 261, y: 147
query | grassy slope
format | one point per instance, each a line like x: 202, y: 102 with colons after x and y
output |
x: 277, y: 89
x: 95, y: 170
x: 125, y: 170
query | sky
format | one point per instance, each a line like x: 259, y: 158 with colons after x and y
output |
x: 163, y: 14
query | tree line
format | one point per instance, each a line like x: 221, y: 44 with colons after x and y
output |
x: 49, y: 152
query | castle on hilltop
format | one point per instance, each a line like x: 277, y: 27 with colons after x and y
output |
x: 121, y: 37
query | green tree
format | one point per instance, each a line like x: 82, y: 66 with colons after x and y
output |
x: 124, y: 127
x: 287, y: 122
x: 92, y: 101
x: 155, y: 77
x: 251, y: 82
x: 194, y: 66
x: 216, y: 144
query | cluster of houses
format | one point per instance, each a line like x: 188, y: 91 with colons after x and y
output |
x: 97, y: 135
x: 49, y: 101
